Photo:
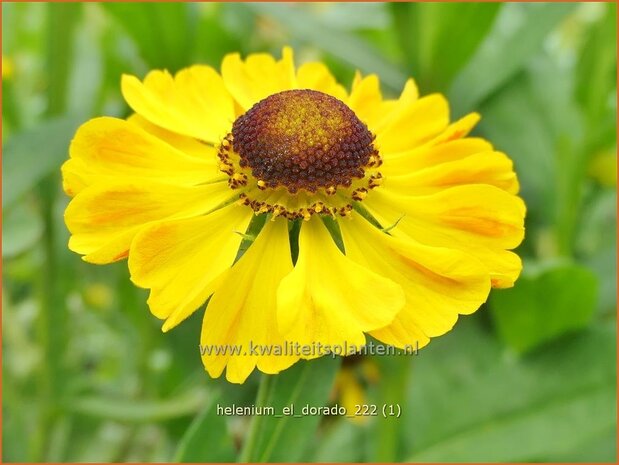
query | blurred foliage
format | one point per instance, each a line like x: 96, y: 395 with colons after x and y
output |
x: 87, y: 375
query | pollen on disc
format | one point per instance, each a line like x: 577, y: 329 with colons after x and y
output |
x: 302, y: 139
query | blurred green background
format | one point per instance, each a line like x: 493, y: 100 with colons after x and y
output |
x: 88, y: 376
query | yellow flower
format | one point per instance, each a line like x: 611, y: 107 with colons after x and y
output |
x: 603, y: 168
x: 426, y: 215
x: 8, y: 68
x: 350, y: 394
x: 350, y: 386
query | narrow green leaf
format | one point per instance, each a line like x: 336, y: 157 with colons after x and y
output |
x: 518, y: 33
x: 545, y: 304
x: 597, y: 66
x: 334, y: 230
x: 455, y: 32
x: 139, y: 411
x: 11, y: 109
x: 405, y: 19
x: 207, y: 439
x: 458, y: 35
x: 439, y: 38
x: 255, y: 226
x: 346, y: 47
x: 307, y: 383
x: 163, y: 32
x: 62, y: 20
x: 29, y: 156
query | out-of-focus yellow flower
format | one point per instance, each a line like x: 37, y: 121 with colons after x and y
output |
x: 98, y: 295
x: 603, y: 168
x: 8, y: 67
x: 351, y: 384
x: 350, y: 393
x: 427, y: 215
x: 370, y: 371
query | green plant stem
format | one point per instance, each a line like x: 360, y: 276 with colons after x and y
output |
x: 51, y: 324
x: 394, y: 384
x: 251, y: 441
x: 48, y: 328
x: 571, y: 179
x: 61, y: 22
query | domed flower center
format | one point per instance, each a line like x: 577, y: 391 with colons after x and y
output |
x: 302, y: 139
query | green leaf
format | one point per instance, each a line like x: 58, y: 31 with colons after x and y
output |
x: 17, y: 439
x: 518, y: 33
x: 439, y: 38
x: 597, y: 243
x: 389, y: 433
x: 207, y: 438
x: 11, y: 108
x: 604, y: 264
x: 163, y: 32
x: 597, y: 450
x: 213, y: 39
x: 137, y: 410
x: 545, y: 304
x: 551, y: 161
x: 340, y: 442
x: 255, y: 226
x: 597, y: 66
x: 513, y: 112
x: 61, y: 23
x: 472, y: 402
x: 306, y: 383
x: 29, y: 156
x: 21, y: 229
x: 304, y: 27
x: 407, y: 32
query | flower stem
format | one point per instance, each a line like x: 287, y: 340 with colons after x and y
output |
x: 248, y: 450
x: 51, y: 326
x: 395, y: 378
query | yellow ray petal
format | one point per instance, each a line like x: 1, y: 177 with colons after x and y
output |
x: 368, y: 104
x: 104, y: 218
x: 242, y: 314
x: 259, y: 76
x: 366, y: 101
x: 439, y: 282
x: 182, y: 261
x: 431, y: 154
x: 316, y: 76
x: 493, y: 168
x: 330, y: 299
x: 194, y: 103
x: 481, y: 220
x: 188, y: 145
x: 105, y: 149
x: 413, y: 123
x: 392, y: 110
